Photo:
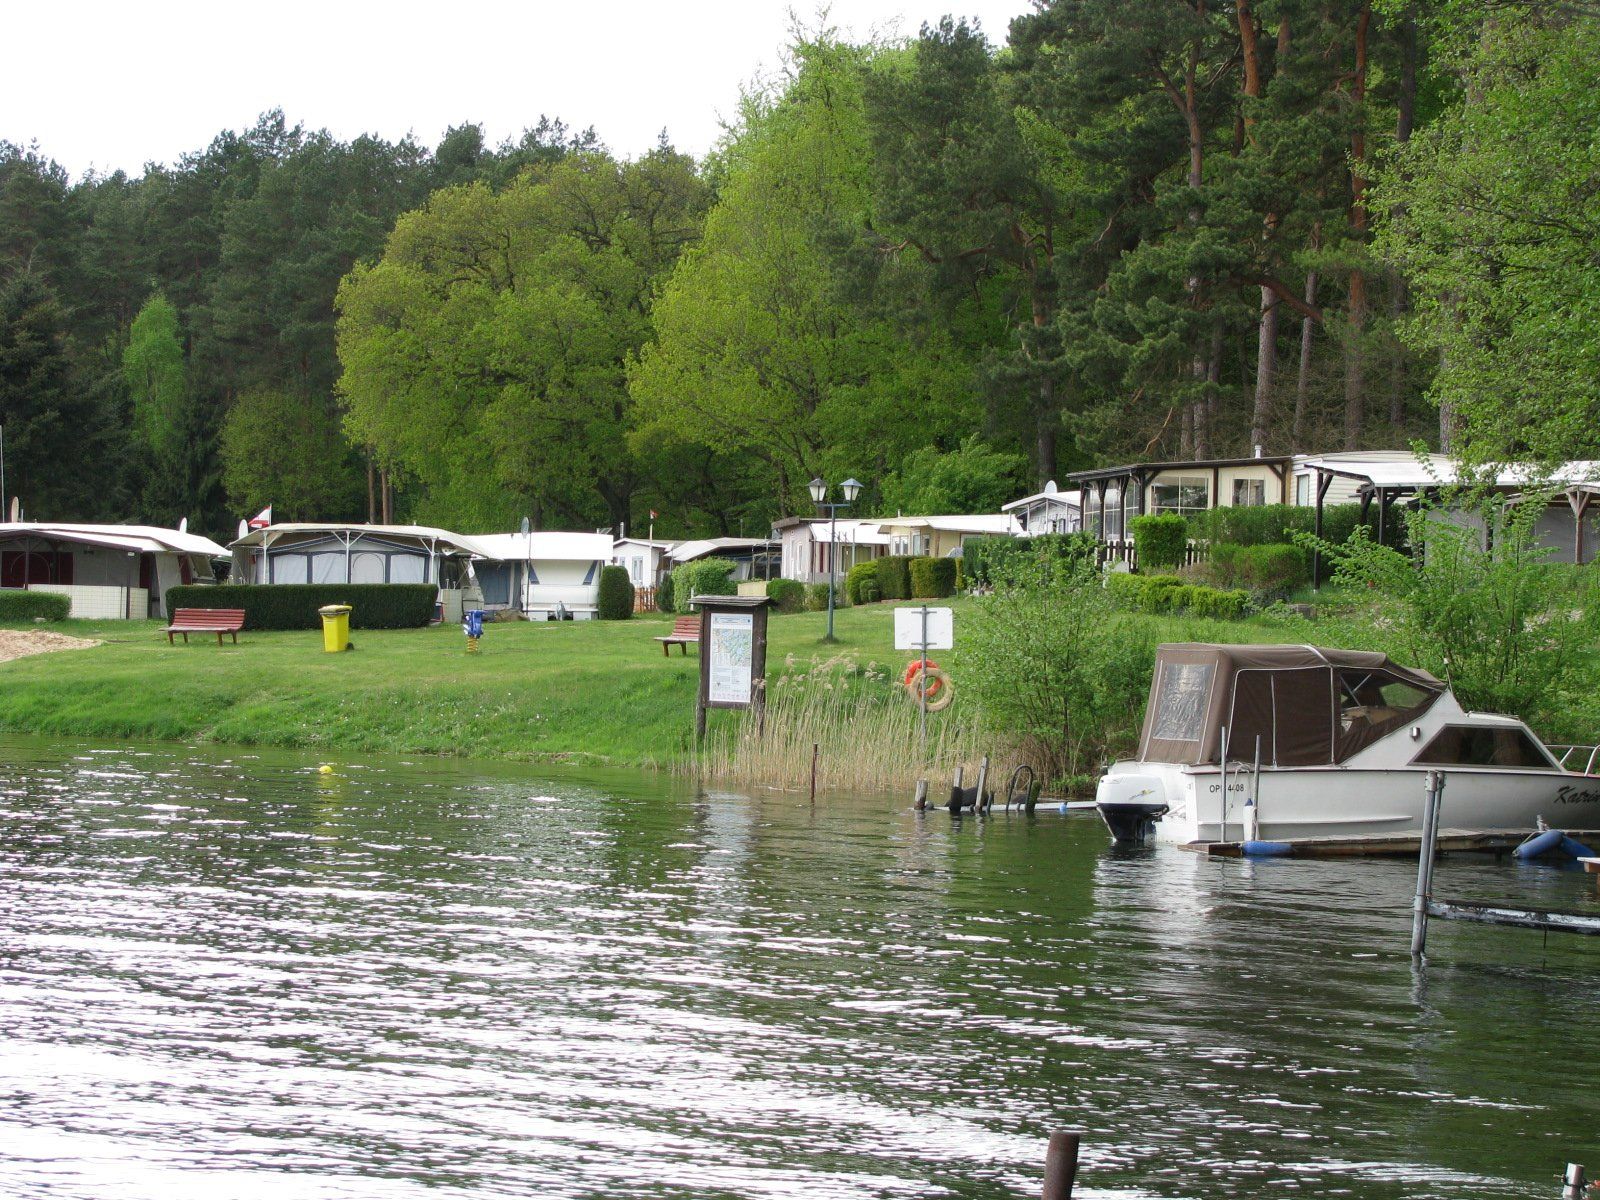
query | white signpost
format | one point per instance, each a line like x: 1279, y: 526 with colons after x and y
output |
x: 923, y: 629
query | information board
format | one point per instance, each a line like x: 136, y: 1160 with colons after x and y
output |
x: 908, y: 629
x: 731, y: 660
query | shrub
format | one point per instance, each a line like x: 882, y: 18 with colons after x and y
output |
x: 1277, y: 568
x: 1148, y: 593
x: 1219, y: 605
x: 1159, y: 541
x: 294, y: 605
x: 817, y: 597
x: 933, y: 577
x: 1050, y: 661
x: 1170, y: 594
x: 664, y: 594
x: 703, y: 577
x: 861, y: 583
x: 616, y: 594
x: 787, y: 595
x: 19, y: 605
x: 1262, y: 524
x: 894, y: 577
x: 986, y: 560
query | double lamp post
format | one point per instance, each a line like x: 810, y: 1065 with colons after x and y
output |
x: 819, y: 496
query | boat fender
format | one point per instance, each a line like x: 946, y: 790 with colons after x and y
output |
x: 1266, y: 849
x: 1573, y: 848
x: 1540, y: 844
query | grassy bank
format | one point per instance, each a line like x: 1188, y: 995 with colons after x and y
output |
x: 580, y: 691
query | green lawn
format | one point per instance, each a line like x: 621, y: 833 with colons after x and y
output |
x: 575, y: 691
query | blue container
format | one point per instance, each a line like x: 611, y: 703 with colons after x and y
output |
x: 472, y: 622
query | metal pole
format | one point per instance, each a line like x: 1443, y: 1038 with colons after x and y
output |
x: 1060, y: 1165
x: 922, y: 684
x: 1222, y: 818
x: 833, y: 554
x: 1430, y: 837
x: 1574, y: 1182
x: 4, y: 511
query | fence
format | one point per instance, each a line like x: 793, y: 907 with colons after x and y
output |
x: 644, y: 599
x: 1122, y: 551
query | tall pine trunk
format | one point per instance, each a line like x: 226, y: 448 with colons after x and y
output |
x: 1355, y: 361
x: 1399, y: 294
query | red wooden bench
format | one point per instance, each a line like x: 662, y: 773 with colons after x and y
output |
x: 206, y: 620
x: 685, y: 632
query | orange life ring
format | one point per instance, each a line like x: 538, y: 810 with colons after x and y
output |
x: 917, y: 665
x: 936, y: 686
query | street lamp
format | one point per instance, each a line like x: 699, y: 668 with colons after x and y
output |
x: 819, y: 496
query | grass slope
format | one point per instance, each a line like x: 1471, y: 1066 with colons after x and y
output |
x: 578, y: 691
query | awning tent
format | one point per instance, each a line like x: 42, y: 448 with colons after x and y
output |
x: 296, y: 552
x: 1305, y: 705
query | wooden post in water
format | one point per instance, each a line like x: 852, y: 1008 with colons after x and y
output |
x: 983, y: 779
x: 815, y: 749
x: 1430, y: 841
x: 1060, y: 1165
x: 921, y: 802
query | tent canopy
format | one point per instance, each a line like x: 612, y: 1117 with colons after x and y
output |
x: 1307, y: 706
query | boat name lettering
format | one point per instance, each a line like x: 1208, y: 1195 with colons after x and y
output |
x: 1239, y: 787
x: 1571, y: 795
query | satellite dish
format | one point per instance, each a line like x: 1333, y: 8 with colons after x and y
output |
x: 183, y: 525
x: 244, y: 528
x: 16, y: 508
x: 1050, y: 488
x: 526, y: 524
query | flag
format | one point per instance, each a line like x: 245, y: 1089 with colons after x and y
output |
x: 262, y: 519
x: 652, y: 514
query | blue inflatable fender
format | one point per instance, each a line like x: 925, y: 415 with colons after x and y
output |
x: 1540, y: 844
x: 1266, y: 849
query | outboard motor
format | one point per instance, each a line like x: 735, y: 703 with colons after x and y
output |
x: 1130, y: 805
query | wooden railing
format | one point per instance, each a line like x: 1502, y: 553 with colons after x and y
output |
x: 1122, y: 550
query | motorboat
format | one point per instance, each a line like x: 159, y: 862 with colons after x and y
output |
x: 1283, y: 743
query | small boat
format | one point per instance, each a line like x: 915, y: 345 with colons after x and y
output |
x: 1284, y: 743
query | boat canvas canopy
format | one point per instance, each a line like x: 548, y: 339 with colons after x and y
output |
x: 1308, y: 706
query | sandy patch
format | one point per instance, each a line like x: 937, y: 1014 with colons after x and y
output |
x: 19, y: 643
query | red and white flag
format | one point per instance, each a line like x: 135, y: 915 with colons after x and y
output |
x: 652, y: 514
x: 262, y: 519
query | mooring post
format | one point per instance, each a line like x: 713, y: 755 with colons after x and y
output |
x: 983, y: 779
x: 922, y: 795
x: 955, y: 792
x: 1060, y: 1165
x: 1574, y: 1182
x: 1425, y: 855
x: 815, y: 748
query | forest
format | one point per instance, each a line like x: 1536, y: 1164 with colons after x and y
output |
x: 952, y: 266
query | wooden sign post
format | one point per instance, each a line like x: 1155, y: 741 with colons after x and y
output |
x: 733, y: 655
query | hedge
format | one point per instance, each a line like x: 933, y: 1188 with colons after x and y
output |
x: 933, y: 577
x: 616, y: 594
x: 19, y: 605
x: 1159, y: 541
x: 1263, y: 524
x: 703, y: 577
x: 664, y: 594
x: 1272, y: 567
x: 894, y: 577
x: 294, y: 605
x: 984, y: 560
x: 861, y: 585
x: 787, y: 595
x: 817, y: 597
x: 1169, y: 594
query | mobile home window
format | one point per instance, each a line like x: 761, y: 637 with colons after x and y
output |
x: 1186, y: 494
x: 1249, y: 492
x: 1302, y: 490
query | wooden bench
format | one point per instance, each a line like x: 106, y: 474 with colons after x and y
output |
x: 206, y: 620
x: 685, y: 632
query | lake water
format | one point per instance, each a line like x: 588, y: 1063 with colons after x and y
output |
x: 228, y: 975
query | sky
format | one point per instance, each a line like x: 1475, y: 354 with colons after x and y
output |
x: 115, y: 86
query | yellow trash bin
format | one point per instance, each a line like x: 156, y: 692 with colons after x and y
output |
x: 335, y: 627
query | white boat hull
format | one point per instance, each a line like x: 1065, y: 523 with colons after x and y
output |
x: 1336, y: 801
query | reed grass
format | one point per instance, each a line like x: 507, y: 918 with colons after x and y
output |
x: 864, y: 728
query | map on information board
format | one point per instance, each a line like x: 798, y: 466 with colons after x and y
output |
x: 732, y: 649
